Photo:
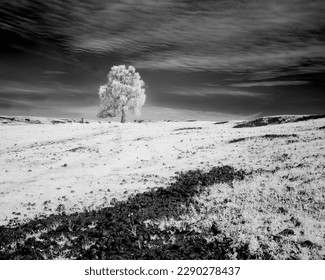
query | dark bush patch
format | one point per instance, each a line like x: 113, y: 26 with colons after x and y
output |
x: 239, y: 140
x: 271, y: 136
x: 7, y: 118
x: 276, y: 120
x: 119, y: 232
x: 221, y: 122
x: 311, y: 117
x: 76, y: 149
x: 260, y: 122
x: 187, y: 128
x: 266, y: 136
x: 322, y: 127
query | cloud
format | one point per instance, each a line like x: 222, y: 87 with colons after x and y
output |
x: 271, y: 84
x: 12, y: 87
x: 25, y: 94
x: 212, y: 90
x: 53, y: 72
x: 242, y: 62
x: 181, y: 35
x: 8, y: 103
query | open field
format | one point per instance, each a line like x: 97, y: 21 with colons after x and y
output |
x: 164, y: 190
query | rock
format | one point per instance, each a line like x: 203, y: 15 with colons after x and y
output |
x: 277, y: 238
x: 307, y: 243
x: 282, y: 210
x: 295, y: 222
x: 215, y: 230
x: 286, y: 232
x: 113, y: 201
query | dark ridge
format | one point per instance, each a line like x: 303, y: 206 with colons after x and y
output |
x: 221, y: 122
x: 312, y: 117
x: 7, y: 118
x: 276, y: 120
x: 76, y: 149
x: 271, y: 136
x: 120, y: 232
x: 187, y: 128
x: 266, y: 136
x: 239, y: 140
x: 260, y: 122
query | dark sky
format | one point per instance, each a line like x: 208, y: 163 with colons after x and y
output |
x: 201, y: 59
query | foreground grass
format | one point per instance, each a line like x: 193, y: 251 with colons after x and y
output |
x: 267, y: 203
x: 262, y: 213
x: 123, y: 231
x: 219, y: 214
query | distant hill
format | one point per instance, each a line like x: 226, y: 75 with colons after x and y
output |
x: 38, y: 120
x: 278, y: 120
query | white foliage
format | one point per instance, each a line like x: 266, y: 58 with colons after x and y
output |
x: 124, y: 91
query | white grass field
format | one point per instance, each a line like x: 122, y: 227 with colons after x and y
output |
x: 47, y: 168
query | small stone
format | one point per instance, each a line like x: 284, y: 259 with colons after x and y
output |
x: 113, y: 201
x: 277, y: 238
x: 307, y: 243
x: 295, y: 222
x: 286, y: 232
x: 282, y: 210
x: 215, y: 229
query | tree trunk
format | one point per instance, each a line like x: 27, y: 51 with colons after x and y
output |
x: 123, y: 116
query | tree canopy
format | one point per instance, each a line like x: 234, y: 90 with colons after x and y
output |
x: 124, y: 92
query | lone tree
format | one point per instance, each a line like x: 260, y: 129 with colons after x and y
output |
x: 123, y: 93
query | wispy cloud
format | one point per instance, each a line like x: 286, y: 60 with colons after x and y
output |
x: 183, y: 35
x: 212, y: 90
x: 270, y: 84
x: 53, y: 72
x: 273, y: 59
x: 27, y: 95
x: 24, y: 88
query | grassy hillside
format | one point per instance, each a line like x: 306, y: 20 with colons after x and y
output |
x: 232, y: 193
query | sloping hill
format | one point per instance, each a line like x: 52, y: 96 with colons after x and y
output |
x: 165, y: 190
x: 278, y: 120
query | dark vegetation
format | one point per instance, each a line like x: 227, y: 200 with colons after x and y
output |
x: 266, y: 136
x: 311, y: 117
x: 187, y: 128
x: 6, y: 120
x: 119, y: 232
x: 276, y: 120
x: 221, y: 122
x: 260, y: 122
